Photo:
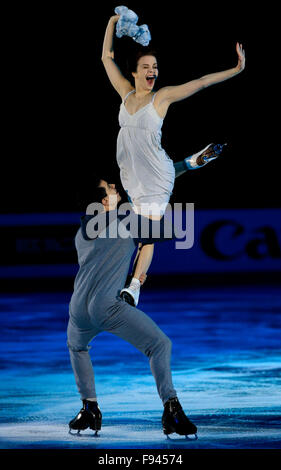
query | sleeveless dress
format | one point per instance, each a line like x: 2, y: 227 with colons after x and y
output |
x: 146, y: 171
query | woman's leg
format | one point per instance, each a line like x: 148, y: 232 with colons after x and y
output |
x: 141, y: 265
x: 144, y: 255
x: 142, y: 260
x: 199, y: 159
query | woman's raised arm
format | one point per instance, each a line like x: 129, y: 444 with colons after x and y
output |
x: 118, y: 81
x: 172, y: 94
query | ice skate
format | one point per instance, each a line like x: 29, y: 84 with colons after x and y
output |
x: 88, y: 417
x: 131, y: 293
x: 209, y: 153
x: 174, y: 420
x: 130, y: 296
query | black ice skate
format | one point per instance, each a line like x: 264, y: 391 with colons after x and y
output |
x: 88, y: 417
x: 175, y: 420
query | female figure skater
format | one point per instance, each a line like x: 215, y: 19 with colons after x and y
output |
x: 146, y: 171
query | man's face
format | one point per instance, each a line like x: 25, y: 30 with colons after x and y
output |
x: 112, y: 196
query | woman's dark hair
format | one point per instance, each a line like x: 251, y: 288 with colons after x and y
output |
x: 140, y: 54
x: 133, y: 59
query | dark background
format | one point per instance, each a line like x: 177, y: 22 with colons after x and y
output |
x: 61, y: 121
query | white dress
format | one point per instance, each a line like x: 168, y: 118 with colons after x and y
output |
x: 146, y: 171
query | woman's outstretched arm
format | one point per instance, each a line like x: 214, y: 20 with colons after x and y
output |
x: 172, y: 94
x: 118, y: 81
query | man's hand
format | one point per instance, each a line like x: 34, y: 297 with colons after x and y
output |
x: 142, y: 278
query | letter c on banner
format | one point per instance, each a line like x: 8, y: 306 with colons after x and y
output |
x: 208, y: 237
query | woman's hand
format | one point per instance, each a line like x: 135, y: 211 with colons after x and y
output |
x: 114, y: 18
x: 241, y: 57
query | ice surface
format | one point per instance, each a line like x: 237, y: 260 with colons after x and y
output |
x: 225, y: 363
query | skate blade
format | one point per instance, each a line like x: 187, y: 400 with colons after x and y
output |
x: 186, y: 438
x: 74, y: 432
x: 195, y: 438
x: 128, y: 298
x: 77, y: 433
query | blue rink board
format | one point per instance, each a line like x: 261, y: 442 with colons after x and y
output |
x: 225, y: 362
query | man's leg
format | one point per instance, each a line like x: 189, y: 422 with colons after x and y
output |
x: 77, y: 341
x: 78, y: 337
x: 134, y: 326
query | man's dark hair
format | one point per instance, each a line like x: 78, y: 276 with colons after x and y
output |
x: 90, y: 192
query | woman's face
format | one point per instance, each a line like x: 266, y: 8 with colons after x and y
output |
x: 147, y: 72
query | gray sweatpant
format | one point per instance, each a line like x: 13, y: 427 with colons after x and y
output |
x: 130, y: 324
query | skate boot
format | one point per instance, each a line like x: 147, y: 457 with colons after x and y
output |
x: 88, y: 417
x: 131, y: 294
x: 175, y: 420
x: 209, y: 153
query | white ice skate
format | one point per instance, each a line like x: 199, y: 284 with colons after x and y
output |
x: 131, y: 294
x: 199, y: 159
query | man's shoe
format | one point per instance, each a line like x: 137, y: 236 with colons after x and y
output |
x: 175, y: 420
x: 88, y: 417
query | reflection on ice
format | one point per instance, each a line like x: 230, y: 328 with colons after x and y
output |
x: 225, y: 362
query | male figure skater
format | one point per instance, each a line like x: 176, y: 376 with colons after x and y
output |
x: 96, y: 306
